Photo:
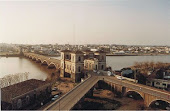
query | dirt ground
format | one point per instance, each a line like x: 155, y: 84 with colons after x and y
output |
x: 64, y: 85
x: 106, y: 100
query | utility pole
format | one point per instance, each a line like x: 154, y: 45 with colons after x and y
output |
x: 59, y: 94
x: 135, y: 74
x: 121, y: 78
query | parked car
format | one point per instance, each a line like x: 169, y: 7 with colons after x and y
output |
x: 109, y: 73
x: 120, y: 78
x: 54, y: 89
x: 94, y: 71
x: 55, y: 97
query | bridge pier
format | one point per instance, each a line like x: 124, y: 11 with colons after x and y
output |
x: 90, y: 92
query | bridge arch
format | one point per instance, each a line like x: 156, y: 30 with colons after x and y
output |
x: 158, y: 103
x: 34, y: 58
x: 134, y: 94
x: 52, y: 65
x: 38, y: 60
x: 44, y: 63
x: 30, y: 57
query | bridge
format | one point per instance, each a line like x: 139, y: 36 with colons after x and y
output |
x: 50, y: 62
x: 149, y: 94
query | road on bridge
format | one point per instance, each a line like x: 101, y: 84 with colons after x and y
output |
x: 67, y: 101
x: 70, y: 99
x: 165, y: 95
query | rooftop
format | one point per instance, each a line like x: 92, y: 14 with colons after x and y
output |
x: 100, y: 51
x: 77, y: 51
x: 15, y: 90
x: 65, y: 51
x: 159, y: 80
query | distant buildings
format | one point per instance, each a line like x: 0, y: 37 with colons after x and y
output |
x: 24, y: 94
x: 159, y: 83
x: 73, y: 63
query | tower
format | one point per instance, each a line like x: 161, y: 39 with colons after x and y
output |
x: 72, y: 64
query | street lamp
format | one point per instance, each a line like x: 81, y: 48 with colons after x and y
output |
x: 59, y: 94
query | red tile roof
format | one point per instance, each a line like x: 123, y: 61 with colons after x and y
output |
x: 12, y: 91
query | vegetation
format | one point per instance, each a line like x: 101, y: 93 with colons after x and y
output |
x: 145, y: 70
x: 13, y: 79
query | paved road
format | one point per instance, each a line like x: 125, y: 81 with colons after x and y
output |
x: 69, y: 100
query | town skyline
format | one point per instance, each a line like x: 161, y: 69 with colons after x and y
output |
x: 85, y: 22
x: 84, y: 44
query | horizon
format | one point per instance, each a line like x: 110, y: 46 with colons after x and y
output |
x: 88, y: 44
x: 120, y: 22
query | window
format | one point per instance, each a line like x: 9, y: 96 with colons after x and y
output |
x: 164, y: 84
x: 102, y: 67
x: 79, y: 69
x: 73, y: 68
x: 19, y: 103
x: 27, y: 99
x: 67, y: 57
x: 157, y: 83
x: 102, y: 58
x: 79, y: 59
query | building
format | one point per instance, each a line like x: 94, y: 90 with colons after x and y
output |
x: 166, y: 75
x: 159, y: 83
x: 73, y: 63
x: 24, y: 94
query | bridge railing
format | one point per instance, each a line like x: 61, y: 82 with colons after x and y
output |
x: 142, y: 88
x: 58, y: 100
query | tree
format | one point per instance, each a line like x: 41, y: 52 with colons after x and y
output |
x: 159, y: 73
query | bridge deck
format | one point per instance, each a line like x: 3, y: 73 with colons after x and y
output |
x: 165, y: 95
x: 44, y: 58
x: 69, y: 100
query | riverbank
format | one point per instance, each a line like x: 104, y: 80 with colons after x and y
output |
x: 9, y: 55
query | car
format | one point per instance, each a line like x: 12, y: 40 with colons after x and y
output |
x: 130, y: 96
x: 168, y: 108
x: 120, y: 78
x: 54, y: 89
x: 109, y: 73
x: 55, y: 97
x: 94, y: 71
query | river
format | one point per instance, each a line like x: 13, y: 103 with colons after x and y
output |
x: 13, y: 65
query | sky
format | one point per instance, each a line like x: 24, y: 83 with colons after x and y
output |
x: 128, y: 22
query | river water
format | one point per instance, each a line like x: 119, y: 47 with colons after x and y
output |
x: 13, y: 65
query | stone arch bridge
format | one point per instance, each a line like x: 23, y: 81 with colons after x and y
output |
x: 67, y: 101
x: 50, y: 62
x: 149, y: 94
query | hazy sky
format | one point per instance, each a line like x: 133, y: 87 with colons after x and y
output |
x: 137, y: 22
